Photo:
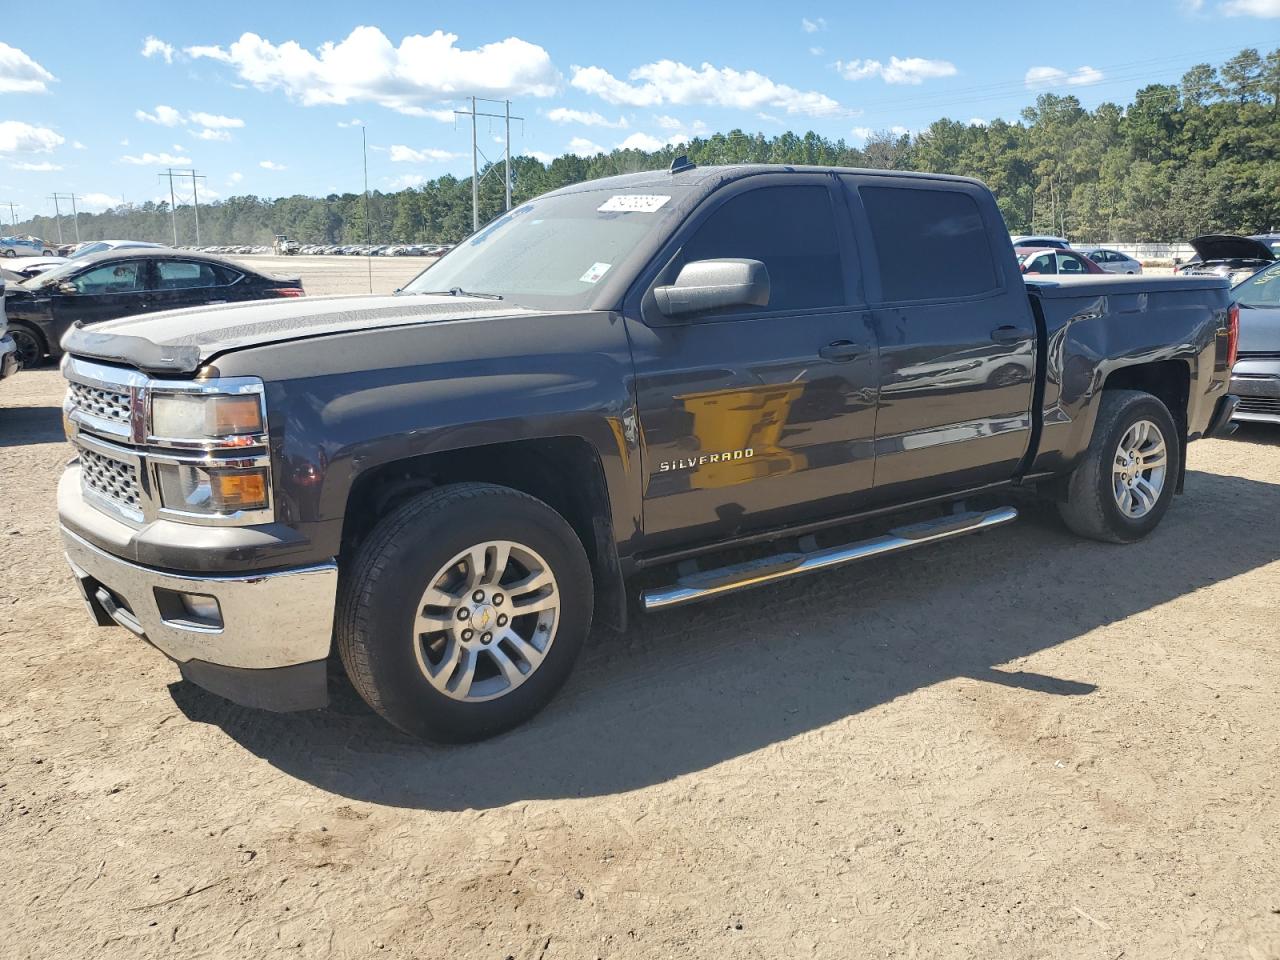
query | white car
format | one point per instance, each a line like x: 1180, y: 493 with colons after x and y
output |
x: 1040, y: 240
x: 1113, y: 261
x: 102, y: 246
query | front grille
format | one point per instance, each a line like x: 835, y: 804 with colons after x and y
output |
x: 97, y: 402
x: 114, y: 480
x: 1258, y: 355
x: 1269, y: 405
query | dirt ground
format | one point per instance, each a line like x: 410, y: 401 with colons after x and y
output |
x: 1020, y: 745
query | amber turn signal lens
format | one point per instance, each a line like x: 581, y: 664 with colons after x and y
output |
x: 237, y: 415
x: 241, y: 490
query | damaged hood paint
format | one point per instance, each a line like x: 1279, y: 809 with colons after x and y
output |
x: 181, y: 341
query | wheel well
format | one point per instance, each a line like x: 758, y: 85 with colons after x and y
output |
x: 1170, y: 380
x: 563, y: 472
x: 31, y: 329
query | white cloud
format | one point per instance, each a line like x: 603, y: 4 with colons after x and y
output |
x: 156, y: 160
x: 402, y: 154
x: 100, y: 201
x: 165, y: 116
x: 977, y: 122
x: 443, y: 114
x: 124, y: 142
x: 351, y: 123
x: 647, y: 142
x: 19, y: 137
x: 405, y: 181
x: 215, y: 121
x: 368, y: 67
x: 583, y: 147
x: 271, y: 165
x: 77, y: 145
x: 667, y: 81
x: 862, y: 133
x: 539, y: 156
x: 866, y: 133
x: 235, y: 177
x: 814, y: 25
x: 911, y: 70
x: 155, y: 47
x: 817, y: 51
x: 20, y: 74
x: 44, y: 166
x: 1252, y: 8
x: 1040, y: 77
x: 210, y: 134
x: 587, y: 119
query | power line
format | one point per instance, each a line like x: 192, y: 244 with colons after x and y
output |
x: 476, y: 153
x: 11, y: 204
x: 169, y: 174
x: 75, y: 216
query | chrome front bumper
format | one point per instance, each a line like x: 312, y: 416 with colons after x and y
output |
x: 267, y: 646
x: 1257, y: 383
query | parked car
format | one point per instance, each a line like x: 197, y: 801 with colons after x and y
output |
x: 1036, y: 240
x: 124, y: 282
x: 24, y: 247
x: 1113, y: 261
x: 8, y: 349
x: 1256, y: 375
x: 1225, y: 255
x: 1035, y: 260
x: 103, y: 246
x: 1271, y: 240
x: 659, y: 387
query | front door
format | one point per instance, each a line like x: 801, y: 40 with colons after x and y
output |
x: 104, y: 291
x: 956, y: 336
x: 757, y: 416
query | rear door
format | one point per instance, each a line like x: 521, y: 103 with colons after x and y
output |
x: 187, y: 283
x: 757, y: 416
x: 955, y: 331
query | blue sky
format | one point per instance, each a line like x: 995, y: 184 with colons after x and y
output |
x: 267, y: 98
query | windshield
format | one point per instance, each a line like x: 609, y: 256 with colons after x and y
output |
x: 551, y: 253
x: 51, y: 277
x: 1260, y: 290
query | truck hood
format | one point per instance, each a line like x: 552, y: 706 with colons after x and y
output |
x: 181, y: 341
x: 1227, y: 247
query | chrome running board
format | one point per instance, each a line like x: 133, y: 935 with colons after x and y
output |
x: 754, y: 573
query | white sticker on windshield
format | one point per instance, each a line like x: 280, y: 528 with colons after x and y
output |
x: 597, y: 271
x: 633, y: 203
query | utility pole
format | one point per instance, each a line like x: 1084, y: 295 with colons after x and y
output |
x: 195, y: 198
x: 10, y: 204
x: 75, y: 216
x: 368, y: 260
x: 58, y: 216
x: 173, y: 205
x: 476, y: 153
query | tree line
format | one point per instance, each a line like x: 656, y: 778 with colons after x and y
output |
x: 1198, y: 156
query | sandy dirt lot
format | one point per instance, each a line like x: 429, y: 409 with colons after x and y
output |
x: 1014, y: 746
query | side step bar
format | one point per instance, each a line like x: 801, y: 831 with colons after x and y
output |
x: 754, y: 573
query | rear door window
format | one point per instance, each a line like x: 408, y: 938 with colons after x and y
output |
x: 931, y: 244
x: 1069, y: 264
x: 184, y: 275
x: 791, y: 230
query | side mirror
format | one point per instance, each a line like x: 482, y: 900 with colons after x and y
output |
x: 705, y: 285
x: 68, y: 288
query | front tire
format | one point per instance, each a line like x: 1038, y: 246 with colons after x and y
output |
x: 464, y: 611
x: 31, y: 350
x: 1125, y: 483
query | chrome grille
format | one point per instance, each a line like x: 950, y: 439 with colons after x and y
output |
x: 97, y: 402
x: 114, y: 480
x: 1269, y: 405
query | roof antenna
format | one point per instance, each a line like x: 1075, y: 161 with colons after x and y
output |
x: 681, y: 163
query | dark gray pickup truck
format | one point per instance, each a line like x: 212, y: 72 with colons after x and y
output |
x: 626, y: 394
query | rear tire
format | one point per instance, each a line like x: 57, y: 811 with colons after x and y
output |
x: 1125, y: 483
x: 429, y: 623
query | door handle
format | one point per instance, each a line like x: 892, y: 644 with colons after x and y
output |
x: 839, y: 351
x: 1010, y: 334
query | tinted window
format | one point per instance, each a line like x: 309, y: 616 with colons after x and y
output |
x: 225, y: 275
x: 1069, y: 264
x: 932, y: 244
x: 111, y: 278
x: 183, y: 274
x: 791, y: 230
x: 1260, y: 290
x: 1043, y: 263
x: 1099, y: 256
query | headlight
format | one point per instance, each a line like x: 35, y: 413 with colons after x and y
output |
x: 235, y: 420
x: 212, y: 490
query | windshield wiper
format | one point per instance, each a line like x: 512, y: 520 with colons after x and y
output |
x: 459, y: 292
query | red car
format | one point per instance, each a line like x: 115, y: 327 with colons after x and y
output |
x: 1047, y: 260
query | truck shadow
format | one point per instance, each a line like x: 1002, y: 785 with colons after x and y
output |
x: 1261, y: 433
x: 688, y: 689
x: 20, y: 426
